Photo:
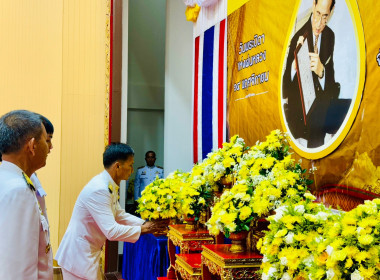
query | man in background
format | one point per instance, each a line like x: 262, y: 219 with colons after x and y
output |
x: 46, y: 260
x: 147, y: 174
x: 24, y: 148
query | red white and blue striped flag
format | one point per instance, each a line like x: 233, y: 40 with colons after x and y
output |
x: 209, y: 91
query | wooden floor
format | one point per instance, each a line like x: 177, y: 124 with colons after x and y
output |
x: 112, y: 276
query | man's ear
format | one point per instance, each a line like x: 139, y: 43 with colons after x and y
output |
x: 331, y: 13
x: 31, y: 146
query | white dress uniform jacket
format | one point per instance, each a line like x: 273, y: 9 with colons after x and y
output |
x: 97, y: 216
x: 46, y: 259
x: 22, y: 237
x: 144, y: 176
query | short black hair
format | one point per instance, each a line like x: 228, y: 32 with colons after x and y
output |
x: 47, y: 124
x: 16, y: 128
x: 150, y: 152
x: 115, y: 152
x: 332, y: 4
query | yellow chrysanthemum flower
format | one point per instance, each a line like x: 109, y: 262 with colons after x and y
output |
x: 365, y: 239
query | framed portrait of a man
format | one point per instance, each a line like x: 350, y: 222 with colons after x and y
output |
x: 322, y: 76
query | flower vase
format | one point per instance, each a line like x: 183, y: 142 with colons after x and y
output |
x: 226, y: 183
x: 238, y: 242
x: 256, y: 232
x: 190, y: 223
x: 164, y: 231
x: 205, y: 215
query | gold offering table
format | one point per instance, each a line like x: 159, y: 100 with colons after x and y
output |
x: 188, y: 240
x: 218, y: 261
x: 188, y: 267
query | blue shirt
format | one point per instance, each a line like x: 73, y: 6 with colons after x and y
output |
x: 144, y: 176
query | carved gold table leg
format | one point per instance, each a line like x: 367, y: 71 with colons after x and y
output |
x: 171, y: 269
x: 206, y: 274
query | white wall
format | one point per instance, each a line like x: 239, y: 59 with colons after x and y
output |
x: 178, y: 89
x: 146, y: 79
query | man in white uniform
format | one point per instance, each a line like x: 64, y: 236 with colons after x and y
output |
x: 46, y: 260
x: 22, y: 239
x: 97, y: 216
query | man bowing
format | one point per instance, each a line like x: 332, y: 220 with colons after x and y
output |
x: 97, y: 216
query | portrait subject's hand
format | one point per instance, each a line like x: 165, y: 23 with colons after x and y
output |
x: 299, y: 42
x: 153, y: 226
x: 316, y: 65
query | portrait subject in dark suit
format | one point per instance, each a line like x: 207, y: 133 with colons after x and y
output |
x: 321, y: 42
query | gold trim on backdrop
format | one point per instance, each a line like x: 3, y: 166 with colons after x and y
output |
x: 234, y: 5
x: 108, y: 71
x: 107, y: 101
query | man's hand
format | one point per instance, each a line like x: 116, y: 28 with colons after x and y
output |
x: 316, y: 64
x: 153, y: 226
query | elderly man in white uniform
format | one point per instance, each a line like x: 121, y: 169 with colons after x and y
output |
x: 97, y: 216
x: 23, y: 240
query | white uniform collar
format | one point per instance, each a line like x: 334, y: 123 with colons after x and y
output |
x: 11, y: 167
x: 108, y: 176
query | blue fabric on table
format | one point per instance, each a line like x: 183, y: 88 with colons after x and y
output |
x: 146, y: 259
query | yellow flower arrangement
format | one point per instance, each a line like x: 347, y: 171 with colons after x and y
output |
x: 306, y: 241
x: 221, y: 163
x: 266, y: 177
x: 291, y: 245
x: 162, y: 198
x: 271, y: 174
x: 205, y: 176
x: 352, y: 246
x: 196, y: 194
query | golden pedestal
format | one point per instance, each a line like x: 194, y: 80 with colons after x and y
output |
x: 218, y: 260
x: 188, y: 266
x: 188, y: 241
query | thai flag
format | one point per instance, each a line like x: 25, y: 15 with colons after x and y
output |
x: 209, y: 91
